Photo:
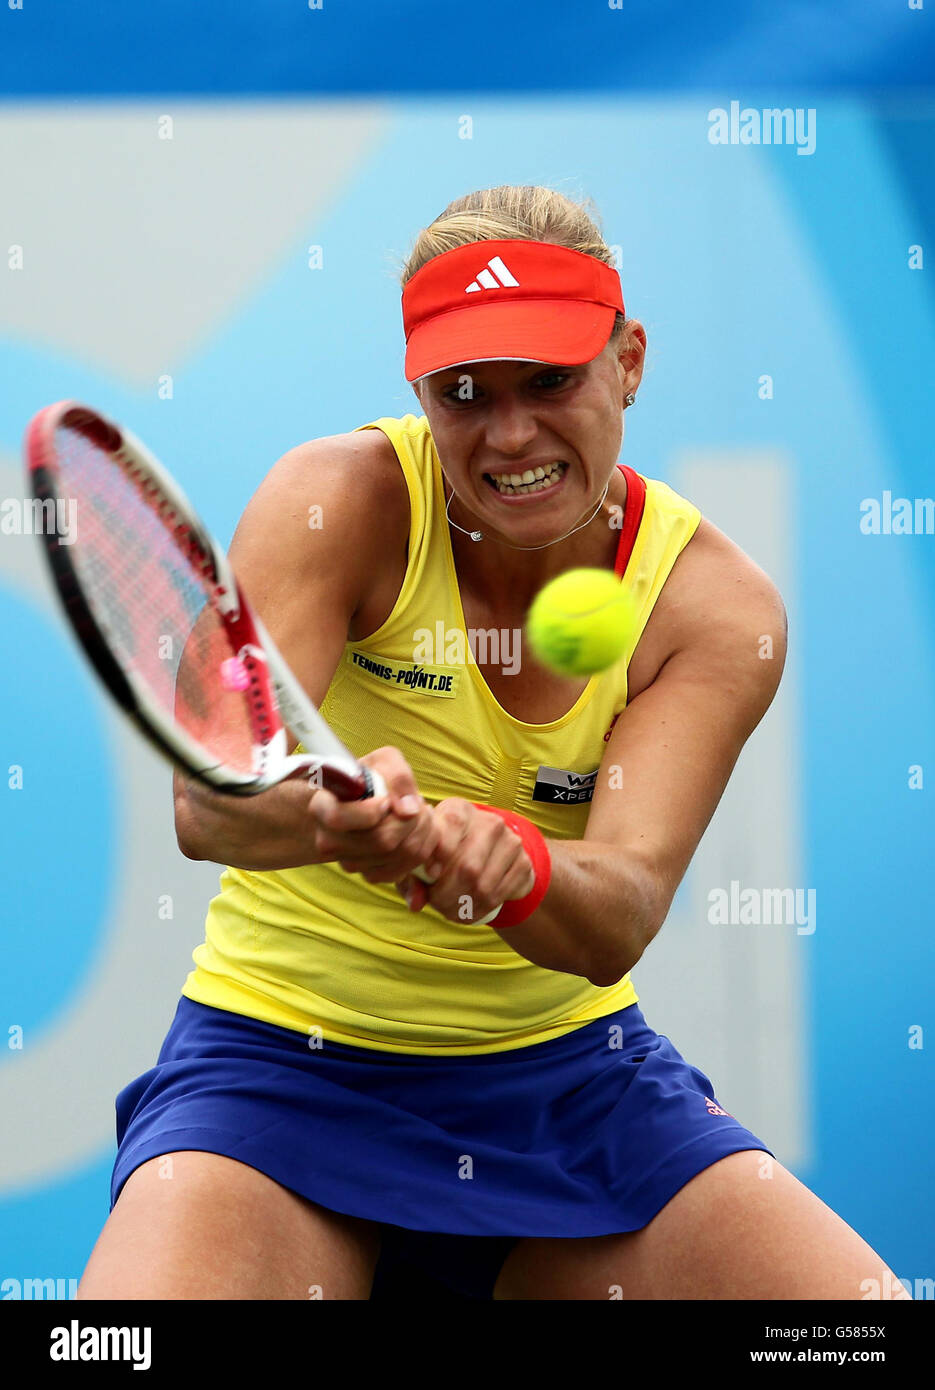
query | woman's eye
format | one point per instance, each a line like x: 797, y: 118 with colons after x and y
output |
x: 464, y: 393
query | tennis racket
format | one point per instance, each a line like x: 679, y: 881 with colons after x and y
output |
x: 157, y: 608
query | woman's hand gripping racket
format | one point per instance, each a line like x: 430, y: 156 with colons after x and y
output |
x: 154, y: 602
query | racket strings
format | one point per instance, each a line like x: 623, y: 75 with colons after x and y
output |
x: 151, y: 588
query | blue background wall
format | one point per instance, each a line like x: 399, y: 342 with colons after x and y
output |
x: 740, y: 261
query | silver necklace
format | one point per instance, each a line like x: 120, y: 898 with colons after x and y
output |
x: 479, y: 535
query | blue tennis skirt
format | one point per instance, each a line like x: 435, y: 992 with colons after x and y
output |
x: 456, y: 1158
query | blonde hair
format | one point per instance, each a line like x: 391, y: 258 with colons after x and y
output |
x: 525, y: 211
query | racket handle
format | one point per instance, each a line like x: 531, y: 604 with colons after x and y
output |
x: 377, y: 784
x: 481, y: 921
x: 378, y: 788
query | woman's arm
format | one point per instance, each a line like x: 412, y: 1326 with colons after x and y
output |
x: 664, y: 771
x: 308, y: 583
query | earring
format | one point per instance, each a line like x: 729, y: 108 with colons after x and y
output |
x: 630, y: 398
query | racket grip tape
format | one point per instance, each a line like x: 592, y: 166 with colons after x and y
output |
x: 376, y: 786
x: 518, y: 909
x: 508, y: 914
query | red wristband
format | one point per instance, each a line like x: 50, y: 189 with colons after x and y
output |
x: 518, y: 909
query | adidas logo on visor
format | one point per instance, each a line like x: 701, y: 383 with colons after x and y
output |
x: 493, y: 277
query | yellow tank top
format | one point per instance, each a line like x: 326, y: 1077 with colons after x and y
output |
x: 324, y: 952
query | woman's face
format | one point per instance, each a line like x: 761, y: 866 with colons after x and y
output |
x: 497, y: 421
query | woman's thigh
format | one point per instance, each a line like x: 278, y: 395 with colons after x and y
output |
x: 192, y: 1225
x: 742, y: 1228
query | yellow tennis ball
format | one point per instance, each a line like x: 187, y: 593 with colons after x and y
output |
x: 580, y: 622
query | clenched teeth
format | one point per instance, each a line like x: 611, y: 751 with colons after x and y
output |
x: 531, y: 480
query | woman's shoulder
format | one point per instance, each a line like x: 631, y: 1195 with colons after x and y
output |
x: 715, y: 596
x: 362, y: 458
x: 352, y: 481
x: 332, y: 514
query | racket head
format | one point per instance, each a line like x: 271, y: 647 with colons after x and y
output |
x: 159, y: 612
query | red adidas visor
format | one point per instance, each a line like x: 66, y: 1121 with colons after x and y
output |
x: 527, y: 301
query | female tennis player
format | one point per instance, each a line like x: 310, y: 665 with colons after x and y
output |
x: 358, y: 1063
